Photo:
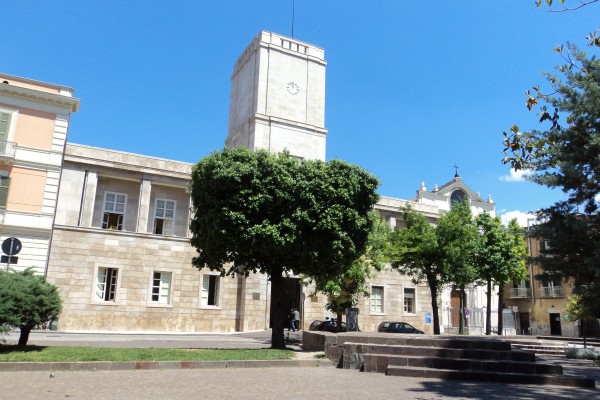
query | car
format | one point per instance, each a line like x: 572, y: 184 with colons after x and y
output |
x: 397, y: 327
x: 329, y: 325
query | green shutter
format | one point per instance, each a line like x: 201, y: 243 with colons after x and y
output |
x: 4, y: 184
x: 4, y: 125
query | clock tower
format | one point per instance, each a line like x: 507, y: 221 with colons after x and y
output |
x: 278, y: 97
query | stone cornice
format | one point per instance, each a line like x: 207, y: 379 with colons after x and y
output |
x: 35, y: 95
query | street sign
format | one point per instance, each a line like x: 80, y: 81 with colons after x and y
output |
x: 9, y: 259
x: 427, y: 317
x: 11, y: 246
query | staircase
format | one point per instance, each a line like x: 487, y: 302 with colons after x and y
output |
x: 448, y: 358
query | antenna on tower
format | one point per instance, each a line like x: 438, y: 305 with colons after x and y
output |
x: 293, y: 12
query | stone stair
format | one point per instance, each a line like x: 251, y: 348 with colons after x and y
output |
x: 451, y: 358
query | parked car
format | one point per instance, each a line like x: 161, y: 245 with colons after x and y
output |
x: 397, y: 327
x: 329, y: 325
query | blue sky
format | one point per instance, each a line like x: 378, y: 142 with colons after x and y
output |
x: 413, y: 87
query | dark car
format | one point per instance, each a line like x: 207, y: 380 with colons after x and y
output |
x: 397, y: 327
x: 329, y: 325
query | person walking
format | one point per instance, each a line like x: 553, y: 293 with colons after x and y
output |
x: 292, y: 321
x: 296, y: 319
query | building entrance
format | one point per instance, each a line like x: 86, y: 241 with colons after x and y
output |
x: 291, y: 299
x: 555, y: 324
x: 524, y: 323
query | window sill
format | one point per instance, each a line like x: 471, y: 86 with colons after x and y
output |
x: 158, y: 305
x: 377, y: 313
x: 104, y: 303
x: 210, y: 307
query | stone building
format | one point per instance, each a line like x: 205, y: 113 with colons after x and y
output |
x: 34, y: 118
x: 121, y: 254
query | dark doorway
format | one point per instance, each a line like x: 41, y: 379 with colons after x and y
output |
x: 555, y: 324
x: 524, y: 323
x: 290, y: 299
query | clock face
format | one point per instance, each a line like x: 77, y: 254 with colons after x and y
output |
x: 293, y: 88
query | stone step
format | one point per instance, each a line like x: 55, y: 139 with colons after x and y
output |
x: 559, y: 380
x: 381, y: 362
x: 453, y: 342
x: 479, y: 354
x: 540, y: 349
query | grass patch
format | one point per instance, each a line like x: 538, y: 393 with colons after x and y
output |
x: 9, y: 353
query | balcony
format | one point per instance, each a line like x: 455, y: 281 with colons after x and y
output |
x: 550, y: 291
x: 520, y: 292
x: 7, y: 152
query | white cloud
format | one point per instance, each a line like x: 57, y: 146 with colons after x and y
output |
x: 521, y: 217
x: 515, y: 175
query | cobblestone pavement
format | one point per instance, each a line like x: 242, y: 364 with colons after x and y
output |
x: 261, y: 383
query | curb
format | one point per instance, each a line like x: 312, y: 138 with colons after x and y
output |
x: 157, y: 365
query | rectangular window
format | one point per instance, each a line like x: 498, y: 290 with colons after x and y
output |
x: 377, y: 299
x: 114, y: 210
x: 409, y: 300
x: 210, y: 290
x: 4, y: 125
x: 161, y: 287
x: 106, y: 284
x: 4, y: 185
x: 164, y: 217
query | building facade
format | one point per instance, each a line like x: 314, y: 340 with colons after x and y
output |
x: 540, y: 307
x: 34, y: 119
x: 120, y: 251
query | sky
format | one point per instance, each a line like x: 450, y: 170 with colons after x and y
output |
x: 413, y: 87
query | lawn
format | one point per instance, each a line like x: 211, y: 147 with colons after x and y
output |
x: 10, y: 353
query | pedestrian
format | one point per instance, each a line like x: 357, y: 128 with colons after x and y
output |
x: 297, y: 318
x: 292, y: 321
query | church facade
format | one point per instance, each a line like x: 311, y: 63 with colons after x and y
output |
x: 120, y: 249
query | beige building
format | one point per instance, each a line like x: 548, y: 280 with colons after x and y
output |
x: 121, y: 254
x: 539, y: 307
x: 34, y: 118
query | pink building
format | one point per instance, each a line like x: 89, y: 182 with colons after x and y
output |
x: 34, y: 117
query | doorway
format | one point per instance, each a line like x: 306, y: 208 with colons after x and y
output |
x: 290, y: 299
x: 555, y: 323
x: 524, y: 323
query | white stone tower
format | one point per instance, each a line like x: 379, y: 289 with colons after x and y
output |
x: 278, y: 97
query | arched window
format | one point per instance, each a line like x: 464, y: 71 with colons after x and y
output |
x: 457, y: 196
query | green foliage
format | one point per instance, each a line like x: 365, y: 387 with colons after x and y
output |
x: 415, y: 251
x: 459, y: 241
x: 344, y: 290
x: 81, y: 354
x: 502, y: 252
x: 275, y: 214
x: 258, y: 210
x: 26, y: 301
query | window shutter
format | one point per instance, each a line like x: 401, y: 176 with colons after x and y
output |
x: 4, y: 184
x: 4, y: 125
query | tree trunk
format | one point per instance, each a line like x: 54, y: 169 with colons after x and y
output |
x: 24, y: 336
x: 488, y: 310
x: 277, y: 312
x: 434, y: 308
x: 461, y: 322
x: 500, y: 307
x: 338, y: 328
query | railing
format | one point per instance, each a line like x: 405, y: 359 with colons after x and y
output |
x: 520, y: 292
x: 550, y: 291
x: 7, y: 149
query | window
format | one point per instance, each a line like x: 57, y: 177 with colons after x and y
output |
x: 164, y: 216
x: 210, y: 290
x: 106, y: 284
x: 458, y: 196
x: 161, y: 287
x: 114, y: 210
x: 377, y: 299
x: 409, y: 300
x: 4, y: 184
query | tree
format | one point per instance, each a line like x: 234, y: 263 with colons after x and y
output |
x: 566, y: 155
x: 580, y: 309
x: 26, y: 301
x: 344, y: 291
x: 500, y: 259
x: 458, y: 239
x: 414, y: 251
x: 275, y: 214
